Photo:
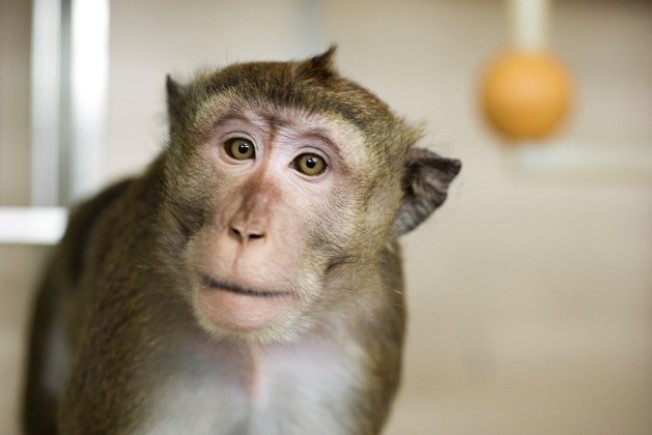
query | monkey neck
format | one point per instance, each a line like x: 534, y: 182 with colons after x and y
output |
x: 254, y: 376
x: 262, y: 374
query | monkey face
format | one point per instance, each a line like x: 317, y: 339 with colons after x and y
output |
x: 288, y: 194
x: 285, y: 177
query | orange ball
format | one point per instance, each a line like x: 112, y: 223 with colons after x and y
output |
x: 526, y: 96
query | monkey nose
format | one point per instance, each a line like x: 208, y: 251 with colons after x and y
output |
x: 245, y: 233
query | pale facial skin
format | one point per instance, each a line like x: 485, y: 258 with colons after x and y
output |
x: 275, y: 174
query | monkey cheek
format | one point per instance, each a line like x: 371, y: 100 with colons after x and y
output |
x: 241, y: 312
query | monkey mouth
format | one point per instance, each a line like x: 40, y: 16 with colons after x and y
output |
x: 234, y: 307
x: 219, y: 285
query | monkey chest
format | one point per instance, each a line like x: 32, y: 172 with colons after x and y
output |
x: 296, y: 394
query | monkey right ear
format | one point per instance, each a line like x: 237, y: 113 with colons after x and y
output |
x: 176, y: 97
x: 426, y: 177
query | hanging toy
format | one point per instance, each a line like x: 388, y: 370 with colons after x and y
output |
x: 526, y: 92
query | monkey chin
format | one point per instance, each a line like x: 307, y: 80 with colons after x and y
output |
x: 230, y: 311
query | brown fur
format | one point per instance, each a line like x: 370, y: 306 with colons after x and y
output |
x: 124, y: 276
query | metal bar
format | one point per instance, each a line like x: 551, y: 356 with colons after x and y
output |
x: 45, y: 100
x: 70, y: 57
x: 32, y: 225
x: 89, y: 70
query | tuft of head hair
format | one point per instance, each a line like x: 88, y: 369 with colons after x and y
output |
x: 320, y: 67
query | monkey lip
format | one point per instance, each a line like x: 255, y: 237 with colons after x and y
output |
x: 238, y: 308
x: 216, y: 284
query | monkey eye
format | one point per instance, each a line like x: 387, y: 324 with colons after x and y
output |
x: 310, y: 164
x: 239, y: 148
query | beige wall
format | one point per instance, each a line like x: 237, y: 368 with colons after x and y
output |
x: 14, y: 101
x: 530, y: 297
x: 18, y: 265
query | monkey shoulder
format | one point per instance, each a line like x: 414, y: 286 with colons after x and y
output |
x: 71, y: 252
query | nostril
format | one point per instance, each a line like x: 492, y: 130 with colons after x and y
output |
x: 245, y: 234
x: 235, y: 232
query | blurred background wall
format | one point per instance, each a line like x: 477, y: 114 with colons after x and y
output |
x: 530, y: 296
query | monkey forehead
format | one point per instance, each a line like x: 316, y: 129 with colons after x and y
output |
x: 345, y: 136
x: 291, y: 85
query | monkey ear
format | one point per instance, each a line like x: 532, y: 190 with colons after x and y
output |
x: 321, y: 66
x: 176, y: 94
x: 426, y: 178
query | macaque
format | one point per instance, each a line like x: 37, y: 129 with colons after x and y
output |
x: 249, y: 281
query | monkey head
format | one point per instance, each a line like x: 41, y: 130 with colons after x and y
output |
x: 281, y: 175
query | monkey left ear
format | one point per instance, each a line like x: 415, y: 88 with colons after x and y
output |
x: 426, y: 178
x: 176, y: 97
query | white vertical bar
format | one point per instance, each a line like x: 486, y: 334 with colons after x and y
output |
x: 88, y: 86
x: 310, y: 25
x: 45, y: 100
x: 529, y: 22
